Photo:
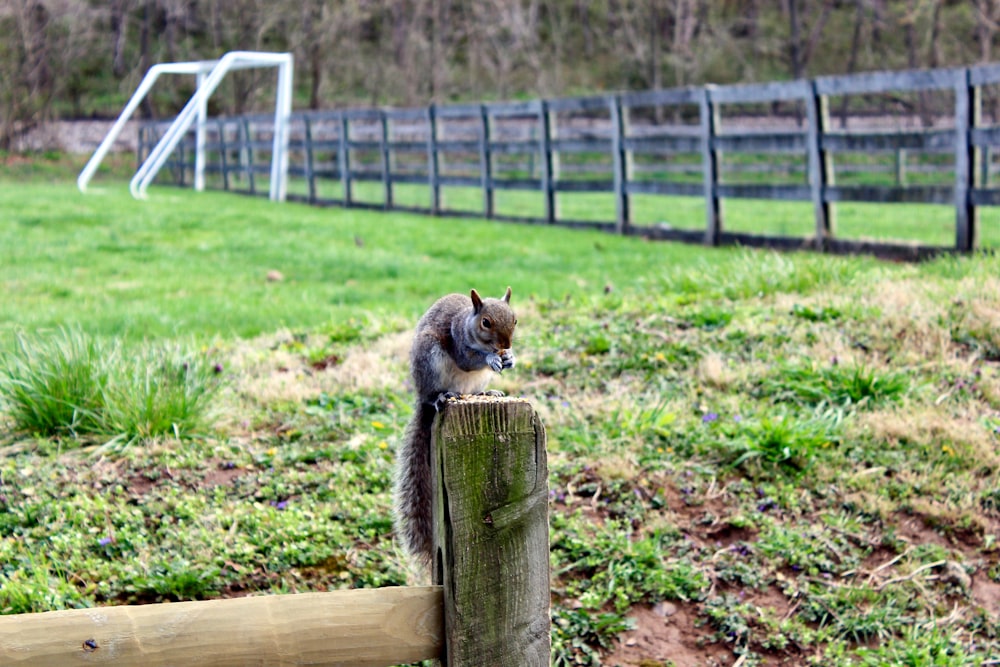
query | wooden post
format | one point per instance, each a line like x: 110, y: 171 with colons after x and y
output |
x: 549, y: 163
x: 371, y: 627
x: 140, y: 147
x: 968, y: 107
x: 901, y: 167
x: 223, y: 158
x: 433, y: 161
x: 710, y: 167
x: 491, y: 547
x: 386, y: 160
x: 310, y: 173
x: 820, y: 165
x: 344, y: 159
x: 248, y: 153
x: 486, y: 161
x: 619, y: 127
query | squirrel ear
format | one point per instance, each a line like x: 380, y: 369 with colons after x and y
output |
x: 477, y: 302
x: 506, y: 297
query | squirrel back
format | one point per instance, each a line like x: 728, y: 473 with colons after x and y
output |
x: 459, y: 343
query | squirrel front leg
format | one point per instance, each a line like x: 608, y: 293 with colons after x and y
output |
x: 502, y: 361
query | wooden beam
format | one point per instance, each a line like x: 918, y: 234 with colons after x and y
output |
x: 491, y: 543
x: 375, y: 627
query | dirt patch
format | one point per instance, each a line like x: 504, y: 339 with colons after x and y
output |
x: 667, y: 632
x: 986, y: 593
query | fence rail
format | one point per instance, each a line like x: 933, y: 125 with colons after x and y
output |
x: 621, y: 145
x: 489, y: 604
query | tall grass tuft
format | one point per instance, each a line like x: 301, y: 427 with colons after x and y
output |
x: 55, y: 386
x: 847, y: 386
x: 68, y: 384
x: 159, y: 390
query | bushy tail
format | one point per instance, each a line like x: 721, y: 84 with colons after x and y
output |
x: 412, y: 490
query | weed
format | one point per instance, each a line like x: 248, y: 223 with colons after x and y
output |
x: 578, y: 635
x: 850, y: 385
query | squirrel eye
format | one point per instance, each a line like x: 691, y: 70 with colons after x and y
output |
x: 486, y: 323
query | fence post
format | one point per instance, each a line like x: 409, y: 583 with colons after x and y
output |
x: 433, y: 162
x: 247, y: 147
x: 223, y: 158
x: 386, y: 159
x: 549, y: 166
x: 310, y: 175
x: 344, y: 159
x: 141, y: 145
x: 820, y: 165
x: 491, y: 547
x: 968, y: 107
x: 710, y: 167
x: 901, y: 167
x: 486, y: 161
x: 620, y: 160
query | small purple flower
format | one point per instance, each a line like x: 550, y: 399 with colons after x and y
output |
x: 280, y: 505
x: 104, y: 541
x: 217, y: 368
x: 740, y: 549
x: 710, y: 417
x: 737, y: 418
x: 768, y: 504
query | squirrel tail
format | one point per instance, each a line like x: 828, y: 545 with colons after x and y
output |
x: 412, y: 486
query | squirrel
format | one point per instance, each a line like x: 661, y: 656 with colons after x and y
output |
x: 459, y: 343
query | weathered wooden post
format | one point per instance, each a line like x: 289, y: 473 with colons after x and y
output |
x: 491, y: 545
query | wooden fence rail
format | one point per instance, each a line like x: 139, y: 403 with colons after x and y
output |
x: 489, y: 604
x: 609, y: 144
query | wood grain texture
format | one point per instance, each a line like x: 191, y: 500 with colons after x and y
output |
x: 373, y: 628
x: 491, y: 533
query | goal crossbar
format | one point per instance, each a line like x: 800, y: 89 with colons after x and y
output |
x: 209, y: 75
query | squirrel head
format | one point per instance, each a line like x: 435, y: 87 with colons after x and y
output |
x: 494, y: 320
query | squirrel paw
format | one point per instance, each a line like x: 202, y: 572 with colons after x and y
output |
x: 491, y: 392
x: 495, y: 361
x: 507, y: 359
x: 442, y: 399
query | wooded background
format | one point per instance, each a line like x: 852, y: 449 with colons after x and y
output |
x: 83, y: 58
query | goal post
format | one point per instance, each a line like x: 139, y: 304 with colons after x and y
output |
x: 209, y: 74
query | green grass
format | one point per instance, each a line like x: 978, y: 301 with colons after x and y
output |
x: 70, y: 384
x: 796, y: 452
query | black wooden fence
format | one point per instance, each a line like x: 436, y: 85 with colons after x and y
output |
x: 661, y: 143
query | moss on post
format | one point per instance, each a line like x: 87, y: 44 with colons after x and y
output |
x: 491, y: 532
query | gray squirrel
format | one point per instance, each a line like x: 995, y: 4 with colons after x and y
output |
x: 459, y: 343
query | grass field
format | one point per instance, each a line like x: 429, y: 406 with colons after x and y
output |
x: 756, y: 458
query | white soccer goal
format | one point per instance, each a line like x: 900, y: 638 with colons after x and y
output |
x: 209, y: 74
